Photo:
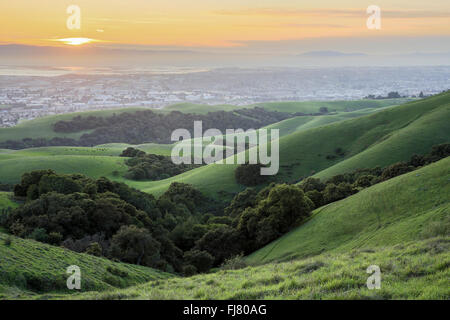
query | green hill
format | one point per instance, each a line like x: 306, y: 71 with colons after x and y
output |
x: 401, y: 225
x: 413, y: 270
x: 43, y: 127
x: 405, y: 208
x: 28, y: 267
x: 307, y: 146
x: 290, y: 106
x: 377, y: 139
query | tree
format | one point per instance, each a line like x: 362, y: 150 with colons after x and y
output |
x: 323, y: 110
x: 201, y: 260
x: 337, y: 192
x: 394, y: 170
x: 310, y: 184
x: 135, y: 245
x: 221, y: 243
x: 284, y: 207
x: 241, y: 201
x: 316, y: 197
x: 364, y: 181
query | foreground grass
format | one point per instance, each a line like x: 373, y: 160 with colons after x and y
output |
x: 28, y: 267
x: 418, y: 270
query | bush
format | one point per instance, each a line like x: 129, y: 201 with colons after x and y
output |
x: 234, y: 263
x: 7, y: 241
x: 310, y: 184
x: 135, y: 245
x: 334, y: 193
x: 364, y: 181
x: 395, y: 170
x: 201, y: 260
x: 316, y: 197
x: 94, y: 249
x: 39, y: 234
x: 189, y: 270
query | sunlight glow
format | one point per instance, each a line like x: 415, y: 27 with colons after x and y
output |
x: 76, y: 41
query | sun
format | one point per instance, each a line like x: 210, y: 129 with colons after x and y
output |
x: 76, y: 41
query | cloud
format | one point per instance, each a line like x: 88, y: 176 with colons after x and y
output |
x: 397, y: 14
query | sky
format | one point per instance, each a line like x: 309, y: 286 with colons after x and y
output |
x: 232, y: 26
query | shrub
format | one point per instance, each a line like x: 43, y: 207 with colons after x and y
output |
x: 364, y: 181
x: 135, y: 245
x: 7, y: 241
x: 310, y: 184
x: 395, y: 170
x: 316, y: 197
x: 39, y: 234
x: 55, y: 238
x: 189, y: 270
x: 201, y: 260
x: 94, y: 249
x: 234, y: 263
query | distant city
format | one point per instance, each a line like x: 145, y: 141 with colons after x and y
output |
x: 25, y: 96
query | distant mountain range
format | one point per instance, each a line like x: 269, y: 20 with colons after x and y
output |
x: 329, y: 53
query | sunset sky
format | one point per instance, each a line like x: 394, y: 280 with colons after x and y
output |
x: 217, y: 24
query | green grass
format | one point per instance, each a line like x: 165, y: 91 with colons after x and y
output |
x: 27, y: 264
x: 414, y: 270
x: 343, y: 106
x: 290, y: 106
x: 6, y: 200
x: 93, y: 166
x: 393, y: 212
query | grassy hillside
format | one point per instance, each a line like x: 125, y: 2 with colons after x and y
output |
x: 28, y: 267
x: 402, y: 209
x: 6, y: 200
x: 93, y: 166
x: 343, y: 106
x: 43, y: 127
x: 368, y: 140
x: 414, y: 270
x: 377, y: 139
x: 290, y: 106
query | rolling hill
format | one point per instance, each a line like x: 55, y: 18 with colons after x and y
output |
x: 399, y: 210
x: 401, y: 225
x: 307, y: 146
x: 28, y: 267
x: 413, y: 270
x: 378, y: 139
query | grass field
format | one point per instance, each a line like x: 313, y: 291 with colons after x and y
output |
x: 401, y: 209
x: 414, y: 270
x: 28, y: 267
x: 6, y: 201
